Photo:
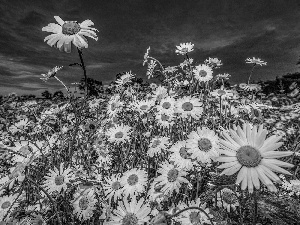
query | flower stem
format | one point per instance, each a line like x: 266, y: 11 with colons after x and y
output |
x: 251, y: 73
x: 84, y: 71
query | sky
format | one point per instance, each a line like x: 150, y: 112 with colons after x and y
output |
x: 227, y: 29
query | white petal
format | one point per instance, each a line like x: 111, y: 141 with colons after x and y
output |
x: 59, y: 20
x: 270, y: 174
x: 231, y: 170
x: 255, y: 179
x: 245, y: 180
x: 228, y: 164
x: 249, y: 181
x: 226, y: 159
x: 276, y: 154
x: 241, y: 175
x: 271, y: 147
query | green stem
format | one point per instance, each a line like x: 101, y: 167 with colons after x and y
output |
x: 251, y: 73
x: 84, y: 71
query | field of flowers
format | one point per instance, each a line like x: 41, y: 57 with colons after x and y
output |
x: 188, y: 150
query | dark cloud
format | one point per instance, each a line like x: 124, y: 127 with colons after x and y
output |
x: 230, y: 30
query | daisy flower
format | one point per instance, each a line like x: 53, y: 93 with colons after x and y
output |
x: 114, y: 105
x: 134, y: 182
x: 194, y: 216
x: 248, y: 151
x: 119, y: 134
x: 151, y: 66
x: 160, y: 93
x: 223, y: 93
x: 146, y: 56
x: 66, y: 32
x: 166, y: 105
x: 112, y: 187
x: 57, y: 180
x: 133, y: 212
x: 143, y: 106
x: 19, y: 126
x: 184, y: 48
x: 84, y: 204
x: 164, y: 120
x: 125, y: 78
x: 228, y: 199
x: 250, y: 87
x: 171, y: 178
x: 203, y: 144
x: 51, y: 73
x: 256, y: 61
x: 203, y: 73
x: 157, y: 144
x: 180, y: 155
x: 213, y: 62
x: 189, y: 106
x: 6, y: 202
x: 293, y: 186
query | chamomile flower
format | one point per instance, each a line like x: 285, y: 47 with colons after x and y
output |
x: 203, y: 145
x: 124, y: 79
x: 6, y: 202
x: 164, y: 119
x: 57, y: 180
x: 146, y: 56
x: 119, y: 134
x: 256, y: 61
x: 248, y: 151
x: 166, y: 105
x: 84, y: 204
x: 250, y: 87
x: 151, y: 66
x: 134, y: 182
x: 66, y: 32
x: 157, y: 144
x: 133, y: 212
x: 19, y: 126
x: 228, y: 199
x: 203, y: 73
x: 112, y: 187
x: 171, y: 178
x: 51, y: 73
x: 194, y: 216
x: 184, y: 48
x: 180, y: 155
x: 114, y: 105
x: 213, y: 62
x: 189, y: 106
x: 143, y: 106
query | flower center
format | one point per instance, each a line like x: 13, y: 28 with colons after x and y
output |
x: 92, y: 126
x: 155, y: 143
x: 59, y: 180
x: 130, y: 219
x: 24, y: 150
x: 116, y: 185
x: 5, y: 205
x: 195, y: 218
x: 166, y: 105
x: 119, y: 134
x: 172, y: 175
x: 187, y: 106
x: 144, y: 107
x: 248, y: 156
x: 132, y: 179
x: 221, y: 92
x: 83, y: 203
x: 165, y: 117
x: 70, y: 28
x: 113, y: 106
x: 202, y: 73
x: 184, y: 50
x: 183, y: 153
x: 204, y: 144
x: 229, y: 197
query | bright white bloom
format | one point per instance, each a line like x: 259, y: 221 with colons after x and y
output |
x: 151, y: 65
x: 248, y: 151
x: 213, y: 62
x: 19, y: 126
x: 5, y: 203
x: 166, y: 105
x: 125, y: 78
x: 131, y: 213
x: 189, y: 106
x: 134, y: 182
x: 156, y: 145
x: 67, y: 32
x: 57, y: 180
x: 203, y: 145
x: 51, y: 73
x: 112, y: 187
x: 255, y: 61
x: 143, y: 106
x: 203, y: 73
x: 119, y: 134
x: 146, y: 56
x: 184, y: 48
x: 228, y: 199
x: 171, y: 178
x: 84, y: 204
x: 180, y: 155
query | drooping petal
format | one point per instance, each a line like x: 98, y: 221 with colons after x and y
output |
x: 255, y: 179
x: 241, y: 175
x: 249, y: 181
x: 231, y: 170
x: 245, y: 179
x: 276, y: 154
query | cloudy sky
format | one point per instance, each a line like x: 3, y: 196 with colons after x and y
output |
x: 228, y: 29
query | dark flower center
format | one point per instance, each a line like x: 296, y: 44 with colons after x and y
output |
x: 166, y: 105
x: 195, y: 218
x: 130, y: 219
x: 183, y: 153
x: 204, y: 144
x: 155, y: 143
x: 202, y: 73
x: 172, y: 175
x: 132, y: 179
x: 59, y: 180
x: 116, y: 185
x: 70, y: 28
x: 119, y: 134
x: 248, y: 156
x: 144, y: 107
x: 165, y: 117
x: 83, y: 203
x: 187, y: 106
x: 5, y: 205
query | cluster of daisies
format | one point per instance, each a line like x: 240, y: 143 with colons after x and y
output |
x: 142, y: 157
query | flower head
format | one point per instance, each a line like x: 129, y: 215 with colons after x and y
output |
x: 203, y: 73
x: 184, y: 48
x: 51, y: 73
x: 66, y: 32
x: 255, y: 61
